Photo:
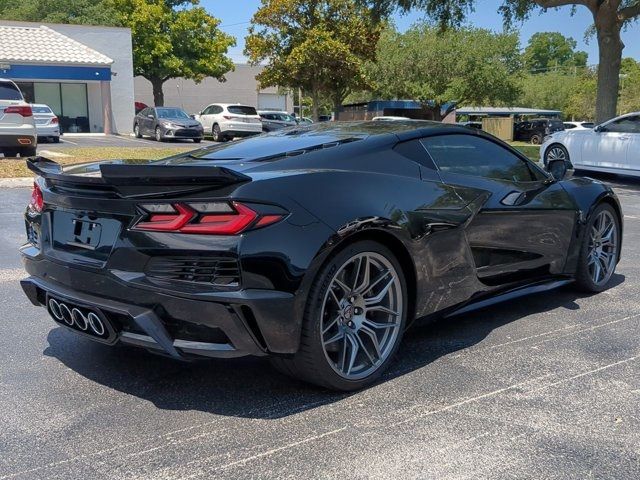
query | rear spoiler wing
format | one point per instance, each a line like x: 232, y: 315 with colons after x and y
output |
x: 134, y: 180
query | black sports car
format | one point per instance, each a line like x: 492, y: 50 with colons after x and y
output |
x: 167, y: 123
x: 316, y: 246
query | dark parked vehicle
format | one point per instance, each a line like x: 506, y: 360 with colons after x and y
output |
x: 272, y: 121
x: 317, y: 247
x: 536, y: 130
x: 167, y: 123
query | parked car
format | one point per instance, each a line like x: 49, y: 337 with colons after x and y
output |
x: 325, y: 118
x: 139, y: 106
x: 275, y: 120
x: 534, y: 131
x: 315, y: 246
x: 226, y: 121
x: 304, y: 121
x: 17, y: 127
x: 578, y: 125
x: 167, y: 123
x: 389, y: 118
x: 47, y: 124
x: 476, y: 125
x: 612, y: 147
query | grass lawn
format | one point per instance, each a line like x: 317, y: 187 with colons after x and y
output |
x: 531, y: 151
x: 16, y: 167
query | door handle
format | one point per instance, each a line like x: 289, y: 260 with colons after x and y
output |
x: 623, y: 138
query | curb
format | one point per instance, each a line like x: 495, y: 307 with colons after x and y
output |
x: 20, y: 182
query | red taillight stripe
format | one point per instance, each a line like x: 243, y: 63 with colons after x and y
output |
x: 168, y: 223
x: 24, y: 110
x: 37, y: 201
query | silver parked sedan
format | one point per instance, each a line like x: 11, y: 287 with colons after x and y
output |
x: 47, y: 124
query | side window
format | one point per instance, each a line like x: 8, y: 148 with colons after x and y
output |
x: 624, y: 125
x: 152, y: 112
x: 479, y: 157
x: 413, y: 150
x: 208, y: 110
x: 216, y: 109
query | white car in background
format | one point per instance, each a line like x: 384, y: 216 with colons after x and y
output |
x: 225, y: 121
x: 17, y: 128
x: 47, y: 124
x: 578, y: 125
x: 612, y: 147
x: 389, y: 118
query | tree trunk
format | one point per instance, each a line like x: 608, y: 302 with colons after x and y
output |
x: 158, y: 94
x: 337, y: 103
x: 315, y: 105
x: 610, y: 57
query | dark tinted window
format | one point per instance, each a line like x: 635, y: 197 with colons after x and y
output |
x: 624, y: 125
x: 476, y: 156
x: 556, y: 125
x: 241, y: 110
x: 40, y: 109
x: 413, y: 150
x: 588, y: 124
x: 569, y: 126
x: 8, y: 91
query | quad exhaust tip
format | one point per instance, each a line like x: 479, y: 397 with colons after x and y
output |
x: 76, y: 317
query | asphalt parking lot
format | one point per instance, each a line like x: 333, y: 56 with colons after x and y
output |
x: 546, y: 387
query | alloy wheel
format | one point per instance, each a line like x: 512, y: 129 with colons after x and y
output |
x: 158, y: 135
x: 361, y: 315
x: 603, y: 248
x: 556, y: 153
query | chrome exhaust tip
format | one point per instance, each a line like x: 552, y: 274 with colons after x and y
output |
x: 96, y: 324
x: 79, y: 319
x: 54, y: 307
x: 67, y: 317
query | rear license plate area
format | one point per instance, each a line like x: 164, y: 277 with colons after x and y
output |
x: 84, y: 235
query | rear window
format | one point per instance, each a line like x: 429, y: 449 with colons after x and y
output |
x: 40, y: 109
x: 8, y: 91
x: 588, y: 125
x: 241, y: 110
x: 557, y: 124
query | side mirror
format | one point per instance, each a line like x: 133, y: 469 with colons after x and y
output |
x: 597, y: 128
x: 192, y: 116
x: 150, y: 116
x: 558, y: 169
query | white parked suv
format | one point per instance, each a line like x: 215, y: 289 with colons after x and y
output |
x: 225, y: 121
x: 612, y: 147
x: 17, y: 127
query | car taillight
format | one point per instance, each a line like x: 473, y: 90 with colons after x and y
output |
x: 54, y: 121
x: 218, y: 218
x: 228, y: 117
x: 24, y: 110
x: 37, y: 202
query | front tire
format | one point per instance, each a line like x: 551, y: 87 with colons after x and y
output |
x: 158, y: 135
x: 136, y: 131
x: 354, y: 320
x: 536, y: 140
x: 599, y: 251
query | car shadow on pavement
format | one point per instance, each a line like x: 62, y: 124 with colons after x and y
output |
x: 250, y: 388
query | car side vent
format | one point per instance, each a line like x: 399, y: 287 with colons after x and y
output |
x: 218, y: 271
x: 313, y: 148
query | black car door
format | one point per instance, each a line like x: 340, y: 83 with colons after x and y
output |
x: 522, y: 220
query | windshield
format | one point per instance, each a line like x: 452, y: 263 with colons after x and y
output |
x: 241, y: 110
x: 285, y: 117
x: 171, y: 113
x: 8, y: 91
x: 556, y: 125
x: 40, y: 109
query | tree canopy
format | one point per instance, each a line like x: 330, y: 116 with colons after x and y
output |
x: 88, y: 12
x: 319, y: 46
x: 465, y: 66
x: 548, y: 51
x: 174, y: 38
x: 609, y: 16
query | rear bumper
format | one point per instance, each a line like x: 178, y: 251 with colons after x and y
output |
x: 48, y: 130
x: 219, y: 324
x: 16, y: 140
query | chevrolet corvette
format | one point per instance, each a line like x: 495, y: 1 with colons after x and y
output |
x: 317, y: 246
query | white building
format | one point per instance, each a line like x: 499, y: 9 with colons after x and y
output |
x: 241, y: 87
x: 84, y: 73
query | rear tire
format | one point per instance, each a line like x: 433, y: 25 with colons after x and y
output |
x: 10, y: 152
x: 353, y: 321
x: 56, y: 139
x: 599, y: 250
x: 197, y: 140
x: 536, y: 140
x: 136, y: 131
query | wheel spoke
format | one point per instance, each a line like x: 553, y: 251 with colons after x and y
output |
x: 331, y: 324
x: 380, y: 278
x: 366, y: 272
x: 335, y: 297
x: 364, y: 349
x: 335, y: 338
x: 374, y: 340
x: 378, y: 298
x: 596, y: 271
x: 382, y: 308
x: 378, y: 325
x: 354, y: 353
x: 342, y: 286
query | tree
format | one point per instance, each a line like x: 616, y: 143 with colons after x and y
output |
x: 609, y: 16
x: 629, y: 86
x: 551, y: 51
x: 548, y: 90
x: 580, y: 102
x: 466, y: 66
x: 174, y: 38
x: 88, y: 12
x: 320, y: 46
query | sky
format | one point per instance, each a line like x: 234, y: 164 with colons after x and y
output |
x: 235, y: 17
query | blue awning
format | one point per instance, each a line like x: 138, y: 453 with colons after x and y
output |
x: 55, y: 72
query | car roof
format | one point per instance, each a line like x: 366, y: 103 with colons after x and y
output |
x: 273, y: 111
x: 230, y: 105
x: 40, y: 105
